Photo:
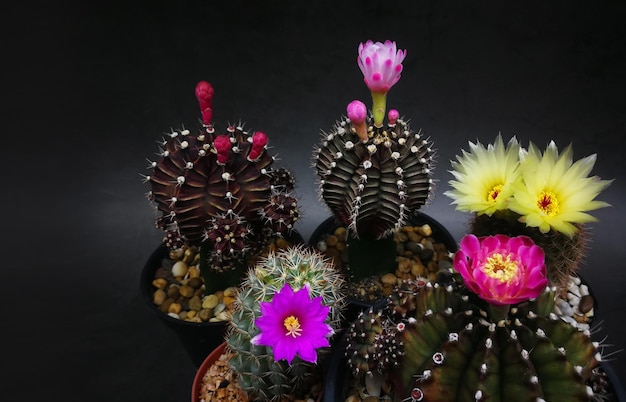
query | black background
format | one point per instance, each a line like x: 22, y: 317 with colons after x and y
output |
x: 88, y: 87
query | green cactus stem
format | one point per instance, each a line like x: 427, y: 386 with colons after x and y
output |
x: 260, y: 375
x: 455, y: 350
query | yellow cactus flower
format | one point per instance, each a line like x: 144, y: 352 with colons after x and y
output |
x: 555, y: 193
x: 484, y: 177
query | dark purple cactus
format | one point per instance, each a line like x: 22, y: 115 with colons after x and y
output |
x: 218, y: 189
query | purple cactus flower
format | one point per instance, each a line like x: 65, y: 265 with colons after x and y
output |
x: 381, y: 64
x: 293, y: 323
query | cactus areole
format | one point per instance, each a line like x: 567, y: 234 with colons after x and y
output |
x: 217, y: 188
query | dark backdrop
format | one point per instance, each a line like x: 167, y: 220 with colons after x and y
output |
x: 88, y: 87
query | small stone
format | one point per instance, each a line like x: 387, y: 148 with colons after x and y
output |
x: 585, y: 304
x: 195, y: 282
x: 159, y: 296
x: 205, y: 314
x: 195, y: 303
x: 194, y: 272
x: 340, y: 232
x: 173, y: 291
x: 210, y: 301
x: 332, y: 241
x: 175, y: 308
x: 186, y: 291
x: 388, y: 279
x: 179, y: 269
x: 159, y: 283
x: 231, y: 291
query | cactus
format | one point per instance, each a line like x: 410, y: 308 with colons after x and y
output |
x: 220, y: 190
x: 456, y: 349
x: 259, y: 373
x: 543, y: 195
x: 373, y: 176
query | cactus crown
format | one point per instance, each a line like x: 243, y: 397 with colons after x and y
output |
x: 220, y: 189
x: 261, y: 371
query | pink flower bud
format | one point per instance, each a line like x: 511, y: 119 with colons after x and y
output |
x: 204, y: 94
x: 222, y: 146
x: 259, y: 141
x: 393, y: 116
x: 357, y: 113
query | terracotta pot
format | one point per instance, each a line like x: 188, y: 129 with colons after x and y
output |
x: 202, y: 369
x: 196, y: 389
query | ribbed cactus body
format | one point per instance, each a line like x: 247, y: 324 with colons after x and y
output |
x: 564, y: 254
x: 374, y: 186
x: 457, y: 349
x: 261, y: 376
x: 207, y: 187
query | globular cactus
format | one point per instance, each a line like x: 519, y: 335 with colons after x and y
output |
x: 372, y: 175
x: 261, y: 376
x: 218, y: 190
x: 373, y: 186
x: 456, y: 349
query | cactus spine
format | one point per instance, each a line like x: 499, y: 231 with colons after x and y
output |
x: 219, y: 189
x: 258, y: 373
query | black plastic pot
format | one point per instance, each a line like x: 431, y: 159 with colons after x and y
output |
x: 328, y: 226
x: 198, y: 338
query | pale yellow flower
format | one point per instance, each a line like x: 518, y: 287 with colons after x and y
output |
x: 484, y: 177
x: 556, y: 193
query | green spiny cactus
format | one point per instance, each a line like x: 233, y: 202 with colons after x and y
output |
x: 259, y: 374
x: 458, y: 349
x: 564, y: 254
x: 219, y: 189
x: 373, y: 186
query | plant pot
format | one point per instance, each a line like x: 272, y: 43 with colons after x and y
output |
x: 384, y: 259
x: 198, y: 338
x: 214, y: 356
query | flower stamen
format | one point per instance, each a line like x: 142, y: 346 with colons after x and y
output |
x: 292, y: 324
x: 492, y: 195
x: 548, y: 203
x: 501, y: 267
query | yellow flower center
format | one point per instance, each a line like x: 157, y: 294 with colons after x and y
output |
x: 292, y: 325
x: 500, y: 267
x: 492, y: 195
x: 548, y: 203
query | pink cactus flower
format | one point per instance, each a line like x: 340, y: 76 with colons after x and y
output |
x: 381, y: 64
x: 500, y: 269
x: 293, y: 323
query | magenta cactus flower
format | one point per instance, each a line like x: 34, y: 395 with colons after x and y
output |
x: 293, y: 323
x: 381, y: 65
x: 500, y: 269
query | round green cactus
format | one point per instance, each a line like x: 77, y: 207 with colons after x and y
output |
x: 259, y: 374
